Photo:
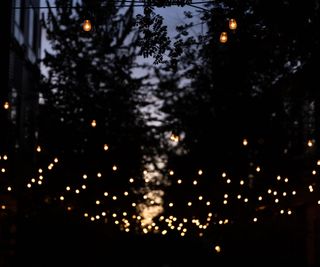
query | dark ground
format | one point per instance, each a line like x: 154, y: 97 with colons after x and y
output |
x: 51, y: 240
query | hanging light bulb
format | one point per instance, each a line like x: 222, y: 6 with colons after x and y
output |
x: 233, y: 24
x: 93, y: 123
x: 6, y: 105
x: 87, y: 26
x: 223, y: 37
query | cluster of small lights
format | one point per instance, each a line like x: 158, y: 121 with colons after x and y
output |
x: 41, y: 172
x: 128, y: 221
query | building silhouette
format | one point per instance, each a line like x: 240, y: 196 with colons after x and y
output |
x: 19, y: 78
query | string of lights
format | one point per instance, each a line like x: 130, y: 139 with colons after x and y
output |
x: 128, y: 215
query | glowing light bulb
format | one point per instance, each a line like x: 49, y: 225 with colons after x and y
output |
x: 114, y: 168
x: 200, y: 172
x: 217, y: 249
x: 233, y: 24
x: 93, y: 123
x: 105, y: 147
x: 87, y: 26
x: 174, y: 138
x: 245, y: 142
x: 6, y: 105
x: 310, y: 143
x: 223, y: 37
x: 38, y: 148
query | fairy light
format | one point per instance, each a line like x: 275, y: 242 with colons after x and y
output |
x: 68, y: 188
x: 245, y: 142
x: 93, y: 123
x: 61, y: 198
x: 105, y: 147
x: 233, y: 24
x: 310, y: 143
x: 223, y: 37
x: 258, y: 169
x: 195, y: 182
x: 174, y: 138
x: 171, y: 172
x: 38, y: 148
x: 6, y: 105
x: 278, y: 177
x: 87, y: 26
x: 200, y: 172
x: 314, y: 172
x: 179, y: 181
x: 241, y: 182
x: 114, y: 168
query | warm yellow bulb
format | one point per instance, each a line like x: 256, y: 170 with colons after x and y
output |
x: 6, y: 105
x: 38, y: 148
x: 87, y: 26
x: 93, y: 123
x: 310, y: 143
x: 223, y: 37
x: 233, y: 24
x: 245, y: 142
x: 217, y: 249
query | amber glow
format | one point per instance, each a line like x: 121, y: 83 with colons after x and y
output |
x: 223, y: 37
x: 233, y: 24
x: 87, y: 26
